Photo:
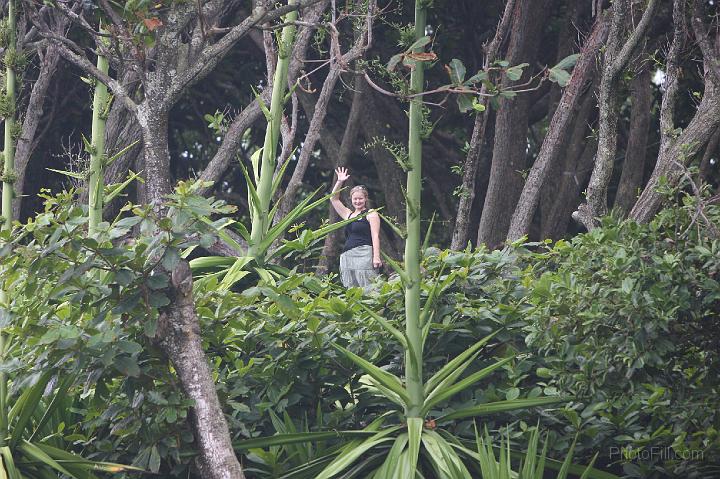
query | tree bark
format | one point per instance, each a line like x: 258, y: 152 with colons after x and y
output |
x: 710, y: 154
x: 634, y: 165
x: 509, y: 152
x: 34, y: 113
x: 693, y: 138
x: 470, y: 168
x: 178, y: 326
x: 570, y: 176
x: 617, y: 56
x: 558, y: 131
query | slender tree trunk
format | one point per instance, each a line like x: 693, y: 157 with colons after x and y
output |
x: 617, y: 56
x: 692, y: 140
x: 413, y: 328
x: 572, y: 171
x: 634, y: 165
x: 33, y: 116
x: 461, y: 229
x: 558, y: 131
x: 511, y: 126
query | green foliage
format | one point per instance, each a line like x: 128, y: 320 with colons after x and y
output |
x: 629, y: 320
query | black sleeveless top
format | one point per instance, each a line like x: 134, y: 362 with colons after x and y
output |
x: 357, y: 234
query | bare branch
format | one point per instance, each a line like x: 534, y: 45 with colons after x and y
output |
x: 209, y: 58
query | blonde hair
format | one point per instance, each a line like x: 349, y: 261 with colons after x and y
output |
x: 361, y: 188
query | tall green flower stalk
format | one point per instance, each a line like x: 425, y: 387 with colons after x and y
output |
x: 7, y: 187
x: 413, y: 327
x: 97, y: 150
x: 261, y: 217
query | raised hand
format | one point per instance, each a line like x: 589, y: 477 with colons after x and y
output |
x: 342, y: 174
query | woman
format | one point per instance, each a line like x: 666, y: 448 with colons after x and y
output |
x: 361, y: 255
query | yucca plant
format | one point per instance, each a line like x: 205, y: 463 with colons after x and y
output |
x: 414, y: 446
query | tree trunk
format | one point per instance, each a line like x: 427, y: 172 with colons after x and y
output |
x: 509, y: 152
x: 708, y: 156
x: 634, y: 165
x: 33, y: 115
x: 617, y: 56
x: 558, y: 131
x: 693, y: 138
x: 179, y: 333
x: 178, y: 326
x: 562, y: 192
x: 461, y: 228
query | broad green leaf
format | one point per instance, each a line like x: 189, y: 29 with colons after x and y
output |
x: 415, y: 433
x: 211, y: 262
x: 72, y: 174
x: 419, y: 43
x: 34, y: 452
x: 28, y: 404
x: 457, y: 71
x: 568, y: 62
x: 9, y: 463
x: 385, y: 324
x: 389, y: 468
x: 67, y: 458
x: 114, y: 190
x: 465, y: 102
x: 561, y: 77
x: 514, y: 73
x: 252, y: 192
x: 396, y: 267
x: 444, y: 457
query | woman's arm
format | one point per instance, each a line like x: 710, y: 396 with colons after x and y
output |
x: 374, y: 220
x: 340, y: 208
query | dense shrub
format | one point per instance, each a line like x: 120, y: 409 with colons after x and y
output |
x: 625, y: 318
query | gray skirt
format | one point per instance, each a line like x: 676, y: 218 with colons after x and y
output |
x: 356, y: 267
